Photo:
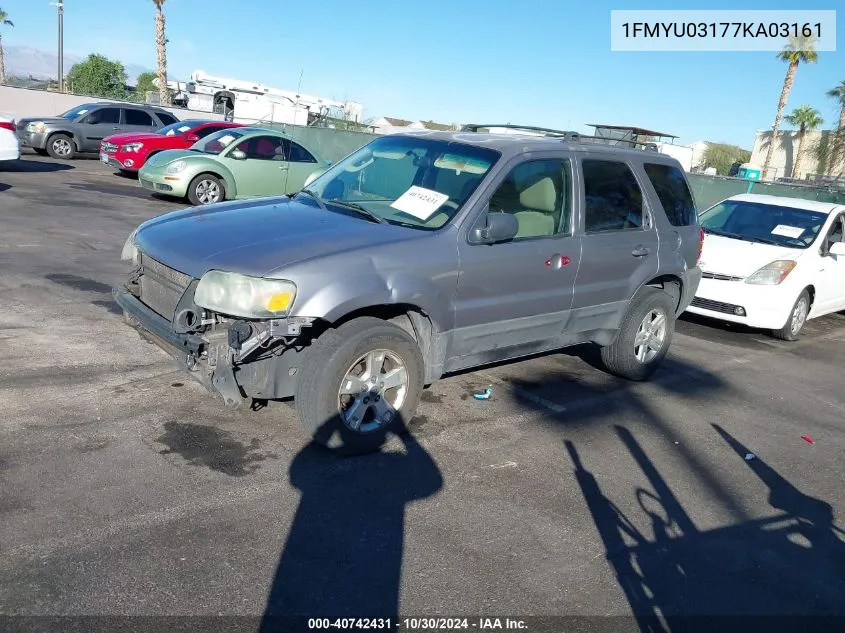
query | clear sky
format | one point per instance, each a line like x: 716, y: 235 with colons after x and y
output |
x: 537, y: 62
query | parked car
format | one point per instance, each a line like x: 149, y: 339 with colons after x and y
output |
x: 80, y: 129
x: 770, y: 262
x: 9, y: 146
x: 417, y: 255
x: 128, y: 152
x: 244, y: 162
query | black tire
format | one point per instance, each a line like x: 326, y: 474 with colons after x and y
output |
x: 788, y: 332
x: 126, y: 173
x: 41, y: 152
x: 61, y: 146
x: 321, y: 375
x: 619, y: 357
x: 195, y: 197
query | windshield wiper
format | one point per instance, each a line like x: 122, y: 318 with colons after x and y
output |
x: 317, y: 198
x: 359, y: 209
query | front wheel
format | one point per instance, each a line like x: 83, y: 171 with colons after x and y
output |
x: 61, y: 146
x: 358, y: 382
x: 797, y: 319
x: 206, y: 189
x: 644, y: 336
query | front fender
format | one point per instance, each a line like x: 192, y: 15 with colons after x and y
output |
x: 350, y: 292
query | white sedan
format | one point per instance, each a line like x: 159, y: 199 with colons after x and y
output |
x: 771, y: 262
x: 10, y: 149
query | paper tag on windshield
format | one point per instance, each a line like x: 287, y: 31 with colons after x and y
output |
x: 225, y: 140
x: 420, y: 202
x: 787, y: 231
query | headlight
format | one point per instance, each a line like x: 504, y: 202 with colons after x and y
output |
x: 36, y: 126
x: 773, y: 273
x: 132, y: 147
x: 130, y: 252
x: 243, y: 296
x: 176, y: 167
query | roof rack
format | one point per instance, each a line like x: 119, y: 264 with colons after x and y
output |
x: 566, y: 135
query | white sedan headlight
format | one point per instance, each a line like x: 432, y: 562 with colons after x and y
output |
x: 176, y: 167
x: 772, y: 273
x: 130, y: 252
x: 243, y: 296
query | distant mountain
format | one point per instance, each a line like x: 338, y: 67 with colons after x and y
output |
x: 25, y: 61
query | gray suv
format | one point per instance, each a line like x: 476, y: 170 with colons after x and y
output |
x: 418, y: 255
x: 81, y: 129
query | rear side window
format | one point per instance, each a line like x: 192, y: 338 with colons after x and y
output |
x: 138, y: 117
x: 166, y: 118
x: 299, y: 154
x: 613, y: 199
x: 673, y: 192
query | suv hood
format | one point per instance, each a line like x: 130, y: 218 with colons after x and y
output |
x: 258, y: 236
x: 729, y: 256
x: 44, y: 119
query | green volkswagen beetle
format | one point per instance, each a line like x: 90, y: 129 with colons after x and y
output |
x: 243, y: 162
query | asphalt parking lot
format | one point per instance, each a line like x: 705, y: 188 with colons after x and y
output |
x: 125, y: 489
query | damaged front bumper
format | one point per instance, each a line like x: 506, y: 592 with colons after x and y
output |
x: 235, y: 359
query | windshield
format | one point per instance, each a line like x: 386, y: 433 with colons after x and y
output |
x: 178, y: 128
x: 76, y: 112
x: 412, y: 181
x: 763, y: 223
x: 217, y: 142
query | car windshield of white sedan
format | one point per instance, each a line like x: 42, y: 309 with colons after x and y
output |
x: 217, y: 142
x: 763, y: 223
x: 410, y: 181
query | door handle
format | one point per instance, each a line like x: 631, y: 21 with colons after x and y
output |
x: 640, y: 251
x: 115, y: 128
x: 283, y: 167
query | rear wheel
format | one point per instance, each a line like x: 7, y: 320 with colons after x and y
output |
x: 206, y: 189
x: 61, y: 146
x: 797, y: 319
x: 644, y: 336
x: 359, y: 382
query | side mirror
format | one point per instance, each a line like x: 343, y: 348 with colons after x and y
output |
x: 238, y: 154
x: 838, y: 249
x: 93, y: 120
x: 499, y: 227
x: 191, y: 138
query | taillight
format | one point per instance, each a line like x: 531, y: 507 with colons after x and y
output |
x: 700, y: 245
x: 4, y: 125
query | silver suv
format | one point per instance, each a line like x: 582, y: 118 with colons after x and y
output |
x: 80, y: 129
x: 418, y: 255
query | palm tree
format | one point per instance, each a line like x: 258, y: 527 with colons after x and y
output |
x: 161, y: 49
x: 798, y: 50
x: 4, y: 21
x: 806, y: 118
x: 838, y: 93
x: 837, y: 146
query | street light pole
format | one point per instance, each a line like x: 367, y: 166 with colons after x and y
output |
x: 61, y: 7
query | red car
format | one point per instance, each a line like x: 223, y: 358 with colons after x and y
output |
x: 128, y: 152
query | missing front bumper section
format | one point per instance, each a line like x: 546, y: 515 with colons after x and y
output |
x: 262, y: 363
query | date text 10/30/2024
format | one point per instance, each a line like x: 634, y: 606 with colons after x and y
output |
x: 417, y: 624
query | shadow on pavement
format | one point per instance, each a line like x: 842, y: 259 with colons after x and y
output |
x: 343, y: 554
x: 4, y: 187
x: 33, y: 166
x: 761, y: 574
x: 84, y: 284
